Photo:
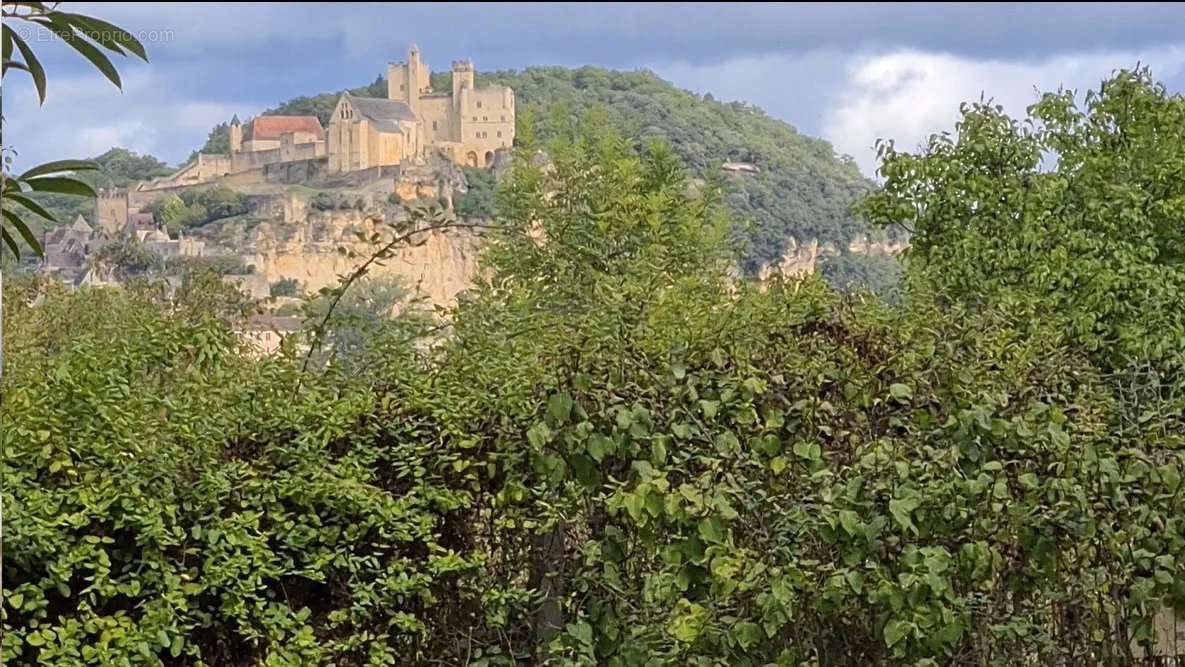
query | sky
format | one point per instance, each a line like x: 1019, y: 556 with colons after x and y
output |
x: 850, y: 73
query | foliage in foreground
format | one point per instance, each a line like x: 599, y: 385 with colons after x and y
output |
x: 1099, y: 237
x: 617, y: 456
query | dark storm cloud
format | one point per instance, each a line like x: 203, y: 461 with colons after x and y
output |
x: 622, y: 35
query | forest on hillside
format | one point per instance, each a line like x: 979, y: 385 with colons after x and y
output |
x: 613, y: 452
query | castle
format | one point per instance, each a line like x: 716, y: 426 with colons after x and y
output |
x: 467, y: 124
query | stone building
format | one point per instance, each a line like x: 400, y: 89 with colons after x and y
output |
x: 370, y: 132
x: 69, y: 247
x: 264, y: 133
x: 468, y: 124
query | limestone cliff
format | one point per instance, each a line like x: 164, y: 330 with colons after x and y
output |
x: 317, y: 247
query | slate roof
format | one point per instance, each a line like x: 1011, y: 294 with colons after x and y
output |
x: 81, y: 226
x: 383, y: 113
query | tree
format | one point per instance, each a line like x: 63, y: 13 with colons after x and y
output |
x: 169, y: 212
x: 287, y: 287
x: 1078, y: 209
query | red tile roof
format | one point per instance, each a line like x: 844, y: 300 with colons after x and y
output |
x: 271, y: 127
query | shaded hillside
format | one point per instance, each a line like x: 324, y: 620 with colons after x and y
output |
x: 803, y: 191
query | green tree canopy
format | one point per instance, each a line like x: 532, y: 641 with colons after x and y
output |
x: 1079, y: 206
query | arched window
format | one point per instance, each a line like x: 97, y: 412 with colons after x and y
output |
x: 479, y: 104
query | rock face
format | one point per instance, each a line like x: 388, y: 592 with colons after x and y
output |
x: 438, y: 266
x: 291, y: 239
x: 799, y: 259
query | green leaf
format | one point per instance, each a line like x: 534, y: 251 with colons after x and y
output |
x: 851, y: 523
x: 901, y: 392
x: 78, y: 42
x: 560, y: 407
x: 1028, y: 480
x: 658, y: 452
x: 16, y: 222
x: 901, y: 509
x: 856, y: 580
x: 10, y: 242
x: 61, y: 185
x: 59, y: 166
x: 176, y: 646
x: 687, y: 626
x: 810, y: 451
x: 112, y: 37
x: 895, y: 631
x: 539, y: 435
x: 33, y: 66
x: 712, y: 530
x: 634, y: 505
x: 31, y: 205
x: 581, y: 632
x: 748, y: 634
x: 16, y: 600
x: 599, y: 446
x: 1170, y: 476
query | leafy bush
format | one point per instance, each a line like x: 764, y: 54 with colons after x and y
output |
x: 196, y: 207
x: 126, y: 258
x: 480, y: 201
x: 877, y: 273
x: 286, y: 287
x: 617, y: 455
x: 323, y: 201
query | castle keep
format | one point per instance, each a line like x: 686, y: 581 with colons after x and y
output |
x: 466, y: 124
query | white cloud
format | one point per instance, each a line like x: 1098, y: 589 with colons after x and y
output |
x: 908, y: 95
x: 84, y: 116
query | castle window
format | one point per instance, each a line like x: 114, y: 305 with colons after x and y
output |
x: 479, y: 104
x: 499, y: 134
x: 401, y: 86
x: 485, y: 118
x: 475, y: 119
x: 434, y: 127
x: 503, y: 119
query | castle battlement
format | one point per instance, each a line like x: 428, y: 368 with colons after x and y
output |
x: 467, y: 124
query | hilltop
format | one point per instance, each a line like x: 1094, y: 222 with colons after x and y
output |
x: 802, y: 192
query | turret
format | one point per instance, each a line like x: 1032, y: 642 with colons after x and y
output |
x: 462, y: 77
x: 236, y: 135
